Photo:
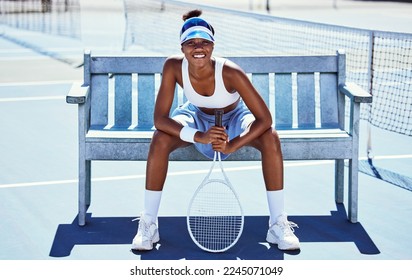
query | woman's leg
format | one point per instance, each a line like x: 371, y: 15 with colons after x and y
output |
x: 158, y: 159
x: 156, y: 169
x: 280, y: 229
x: 272, y: 167
x: 272, y: 160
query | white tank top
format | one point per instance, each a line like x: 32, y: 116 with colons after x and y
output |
x: 220, y: 98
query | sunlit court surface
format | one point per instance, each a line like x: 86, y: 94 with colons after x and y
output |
x: 41, y: 56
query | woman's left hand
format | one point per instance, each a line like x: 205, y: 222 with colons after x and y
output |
x: 221, y: 145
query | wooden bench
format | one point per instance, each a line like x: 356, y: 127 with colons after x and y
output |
x: 306, y: 95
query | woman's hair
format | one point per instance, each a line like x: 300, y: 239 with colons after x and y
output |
x: 191, y: 14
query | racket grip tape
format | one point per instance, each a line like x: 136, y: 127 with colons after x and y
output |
x: 219, y: 117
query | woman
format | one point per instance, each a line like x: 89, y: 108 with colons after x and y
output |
x: 211, y: 83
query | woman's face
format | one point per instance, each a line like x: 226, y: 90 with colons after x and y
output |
x: 198, y: 50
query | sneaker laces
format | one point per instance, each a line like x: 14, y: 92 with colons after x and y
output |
x: 288, y: 227
x: 143, y: 228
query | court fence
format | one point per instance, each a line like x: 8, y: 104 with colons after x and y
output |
x: 55, y: 17
x: 380, y: 62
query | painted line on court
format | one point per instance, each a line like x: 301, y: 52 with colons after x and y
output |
x: 34, y: 98
x: 132, y: 177
x: 38, y: 83
x: 189, y: 172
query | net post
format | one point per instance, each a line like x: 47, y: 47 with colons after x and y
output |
x: 369, y: 151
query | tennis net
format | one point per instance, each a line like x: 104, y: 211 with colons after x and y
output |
x: 380, y: 62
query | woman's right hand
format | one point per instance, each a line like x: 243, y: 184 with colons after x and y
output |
x: 215, y: 134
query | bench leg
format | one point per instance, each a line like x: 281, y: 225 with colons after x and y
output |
x: 84, y: 190
x: 354, y: 164
x: 339, y: 180
x: 353, y: 191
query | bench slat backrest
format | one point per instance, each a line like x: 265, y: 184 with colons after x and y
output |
x: 99, y: 99
x: 284, y: 113
x: 123, y: 100
x: 301, y: 91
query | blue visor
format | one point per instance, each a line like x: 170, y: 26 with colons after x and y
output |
x: 196, y: 28
x: 197, y: 34
x: 196, y: 21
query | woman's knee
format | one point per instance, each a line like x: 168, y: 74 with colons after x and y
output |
x: 163, y: 142
x: 276, y: 138
x: 269, y: 140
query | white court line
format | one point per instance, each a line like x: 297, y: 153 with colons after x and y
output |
x: 34, y: 98
x: 131, y: 177
x: 31, y: 58
x: 36, y: 83
x: 190, y: 172
x: 18, y: 51
x: 389, y: 157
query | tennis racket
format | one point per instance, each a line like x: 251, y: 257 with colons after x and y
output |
x: 215, y: 216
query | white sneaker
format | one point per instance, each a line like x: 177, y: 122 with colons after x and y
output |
x: 147, y: 234
x: 281, y: 233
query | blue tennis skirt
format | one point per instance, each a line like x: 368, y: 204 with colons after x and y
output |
x: 235, y: 122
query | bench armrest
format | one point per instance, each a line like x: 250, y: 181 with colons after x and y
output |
x: 77, y: 94
x: 355, y: 93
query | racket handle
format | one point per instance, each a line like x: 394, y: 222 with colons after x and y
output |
x: 218, y: 117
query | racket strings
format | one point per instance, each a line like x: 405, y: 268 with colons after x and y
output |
x: 215, y: 216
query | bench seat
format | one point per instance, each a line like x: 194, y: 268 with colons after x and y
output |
x: 107, y: 144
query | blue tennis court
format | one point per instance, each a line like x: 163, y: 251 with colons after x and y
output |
x: 38, y: 182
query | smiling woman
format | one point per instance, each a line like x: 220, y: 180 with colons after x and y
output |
x: 211, y: 83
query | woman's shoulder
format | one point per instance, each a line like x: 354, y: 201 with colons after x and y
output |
x: 173, y: 62
x: 174, y: 59
x: 230, y: 66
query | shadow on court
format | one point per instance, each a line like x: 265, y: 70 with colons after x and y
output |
x: 176, y: 243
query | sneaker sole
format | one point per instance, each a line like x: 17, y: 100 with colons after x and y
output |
x: 142, y: 248
x: 156, y: 239
x: 284, y: 247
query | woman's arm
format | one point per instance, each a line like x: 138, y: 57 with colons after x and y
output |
x: 164, y: 100
x: 235, y: 79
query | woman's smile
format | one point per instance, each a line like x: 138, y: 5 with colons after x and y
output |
x: 199, y: 55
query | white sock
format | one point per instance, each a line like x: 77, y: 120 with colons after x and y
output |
x: 152, y: 203
x: 276, y: 204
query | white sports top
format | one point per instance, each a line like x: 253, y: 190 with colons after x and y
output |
x: 220, y: 98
